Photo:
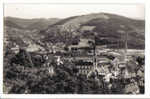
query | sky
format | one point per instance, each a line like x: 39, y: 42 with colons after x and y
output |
x: 66, y: 10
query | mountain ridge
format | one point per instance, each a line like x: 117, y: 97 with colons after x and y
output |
x: 108, y: 29
x: 35, y: 23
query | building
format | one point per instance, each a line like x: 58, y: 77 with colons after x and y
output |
x: 83, y: 44
x: 84, y: 66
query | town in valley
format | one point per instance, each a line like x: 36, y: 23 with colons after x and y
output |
x: 98, y: 53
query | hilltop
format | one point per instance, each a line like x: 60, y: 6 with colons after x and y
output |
x: 109, y: 29
x: 30, y: 24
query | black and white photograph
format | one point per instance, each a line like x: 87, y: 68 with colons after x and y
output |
x: 74, y: 49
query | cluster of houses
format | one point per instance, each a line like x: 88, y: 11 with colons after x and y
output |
x: 84, y: 56
x: 87, y: 57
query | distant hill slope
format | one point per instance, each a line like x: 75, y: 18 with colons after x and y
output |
x: 43, y: 23
x: 109, y: 28
x: 114, y: 29
x: 11, y: 24
x: 30, y: 24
